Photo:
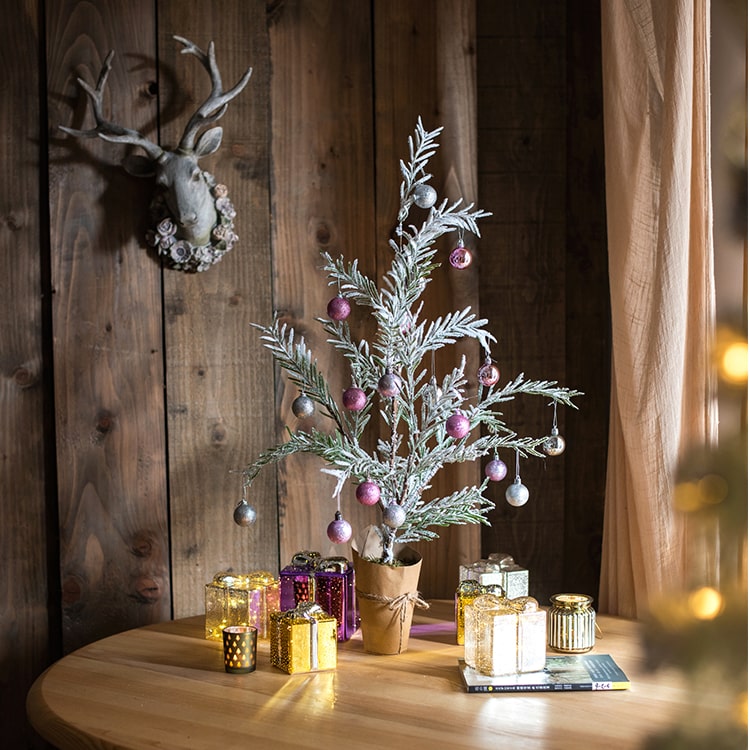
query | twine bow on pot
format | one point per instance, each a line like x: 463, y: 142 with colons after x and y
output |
x: 400, y: 604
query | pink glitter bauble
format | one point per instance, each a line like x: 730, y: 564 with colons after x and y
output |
x: 355, y: 399
x: 496, y: 470
x: 460, y: 257
x: 339, y: 308
x: 339, y: 530
x: 368, y: 493
x: 457, y: 425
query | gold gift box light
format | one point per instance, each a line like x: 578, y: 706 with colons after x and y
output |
x: 244, y: 599
x: 505, y: 636
x: 303, y: 639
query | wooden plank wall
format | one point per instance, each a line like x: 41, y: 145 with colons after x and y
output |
x: 543, y: 272
x: 131, y: 395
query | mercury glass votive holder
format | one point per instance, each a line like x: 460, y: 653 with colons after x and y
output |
x: 571, y: 623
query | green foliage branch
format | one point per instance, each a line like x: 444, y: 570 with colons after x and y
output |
x: 418, y: 446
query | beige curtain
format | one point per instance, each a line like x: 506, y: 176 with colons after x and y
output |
x: 656, y: 128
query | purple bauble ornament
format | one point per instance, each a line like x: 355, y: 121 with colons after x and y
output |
x: 488, y: 374
x: 517, y: 494
x: 394, y: 516
x: 496, y: 470
x: 389, y: 385
x: 339, y: 530
x: 460, y: 257
x: 339, y: 308
x: 244, y: 514
x: 355, y: 399
x: 368, y: 493
x: 457, y: 425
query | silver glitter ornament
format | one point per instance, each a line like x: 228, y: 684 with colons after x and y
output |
x: 517, y: 494
x: 425, y: 195
x: 303, y: 406
x: 394, y: 516
x: 244, y: 514
x: 554, y: 445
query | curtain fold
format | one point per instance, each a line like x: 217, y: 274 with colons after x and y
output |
x: 659, y: 222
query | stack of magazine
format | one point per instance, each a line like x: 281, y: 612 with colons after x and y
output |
x: 561, y: 673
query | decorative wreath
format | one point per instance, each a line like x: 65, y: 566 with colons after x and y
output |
x: 183, y: 255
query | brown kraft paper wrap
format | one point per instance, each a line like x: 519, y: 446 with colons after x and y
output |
x: 387, y: 596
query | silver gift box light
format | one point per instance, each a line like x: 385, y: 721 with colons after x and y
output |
x: 498, y: 569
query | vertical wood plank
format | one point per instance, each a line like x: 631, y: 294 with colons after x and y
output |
x: 219, y: 379
x: 587, y: 314
x: 25, y: 638
x: 322, y: 200
x: 425, y: 65
x: 522, y: 287
x: 107, y: 332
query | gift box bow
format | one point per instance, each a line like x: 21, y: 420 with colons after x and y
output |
x: 305, y: 559
x: 332, y: 565
x: 472, y: 588
x: 491, y: 603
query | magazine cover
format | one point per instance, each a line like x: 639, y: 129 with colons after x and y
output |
x: 561, y: 673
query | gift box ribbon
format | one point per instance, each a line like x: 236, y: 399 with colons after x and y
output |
x: 312, y: 613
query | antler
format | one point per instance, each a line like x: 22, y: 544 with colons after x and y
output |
x: 109, y: 131
x: 216, y: 105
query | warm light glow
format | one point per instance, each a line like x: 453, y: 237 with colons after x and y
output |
x: 713, y: 489
x: 705, y: 603
x: 733, y: 367
x: 687, y: 497
x: 740, y: 710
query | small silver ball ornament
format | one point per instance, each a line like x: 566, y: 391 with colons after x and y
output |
x: 244, y: 514
x: 554, y: 445
x: 517, y: 494
x: 425, y: 195
x: 394, y: 516
x: 389, y: 385
x: 303, y: 406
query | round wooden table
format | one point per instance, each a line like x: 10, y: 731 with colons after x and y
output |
x: 164, y: 686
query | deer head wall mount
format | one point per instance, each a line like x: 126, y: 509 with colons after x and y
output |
x: 192, y: 214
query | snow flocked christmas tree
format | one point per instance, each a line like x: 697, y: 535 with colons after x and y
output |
x: 428, y: 423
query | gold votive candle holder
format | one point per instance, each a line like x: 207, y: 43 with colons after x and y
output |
x: 571, y: 623
x: 240, y: 648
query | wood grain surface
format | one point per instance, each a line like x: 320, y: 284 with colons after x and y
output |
x: 108, y: 349
x: 165, y: 686
x: 27, y: 642
x: 219, y: 385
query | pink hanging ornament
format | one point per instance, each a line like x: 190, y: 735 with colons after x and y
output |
x: 488, y: 374
x: 355, y: 399
x: 457, y: 425
x: 368, y: 493
x: 339, y: 530
x: 496, y: 470
x: 460, y: 257
x: 339, y: 308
